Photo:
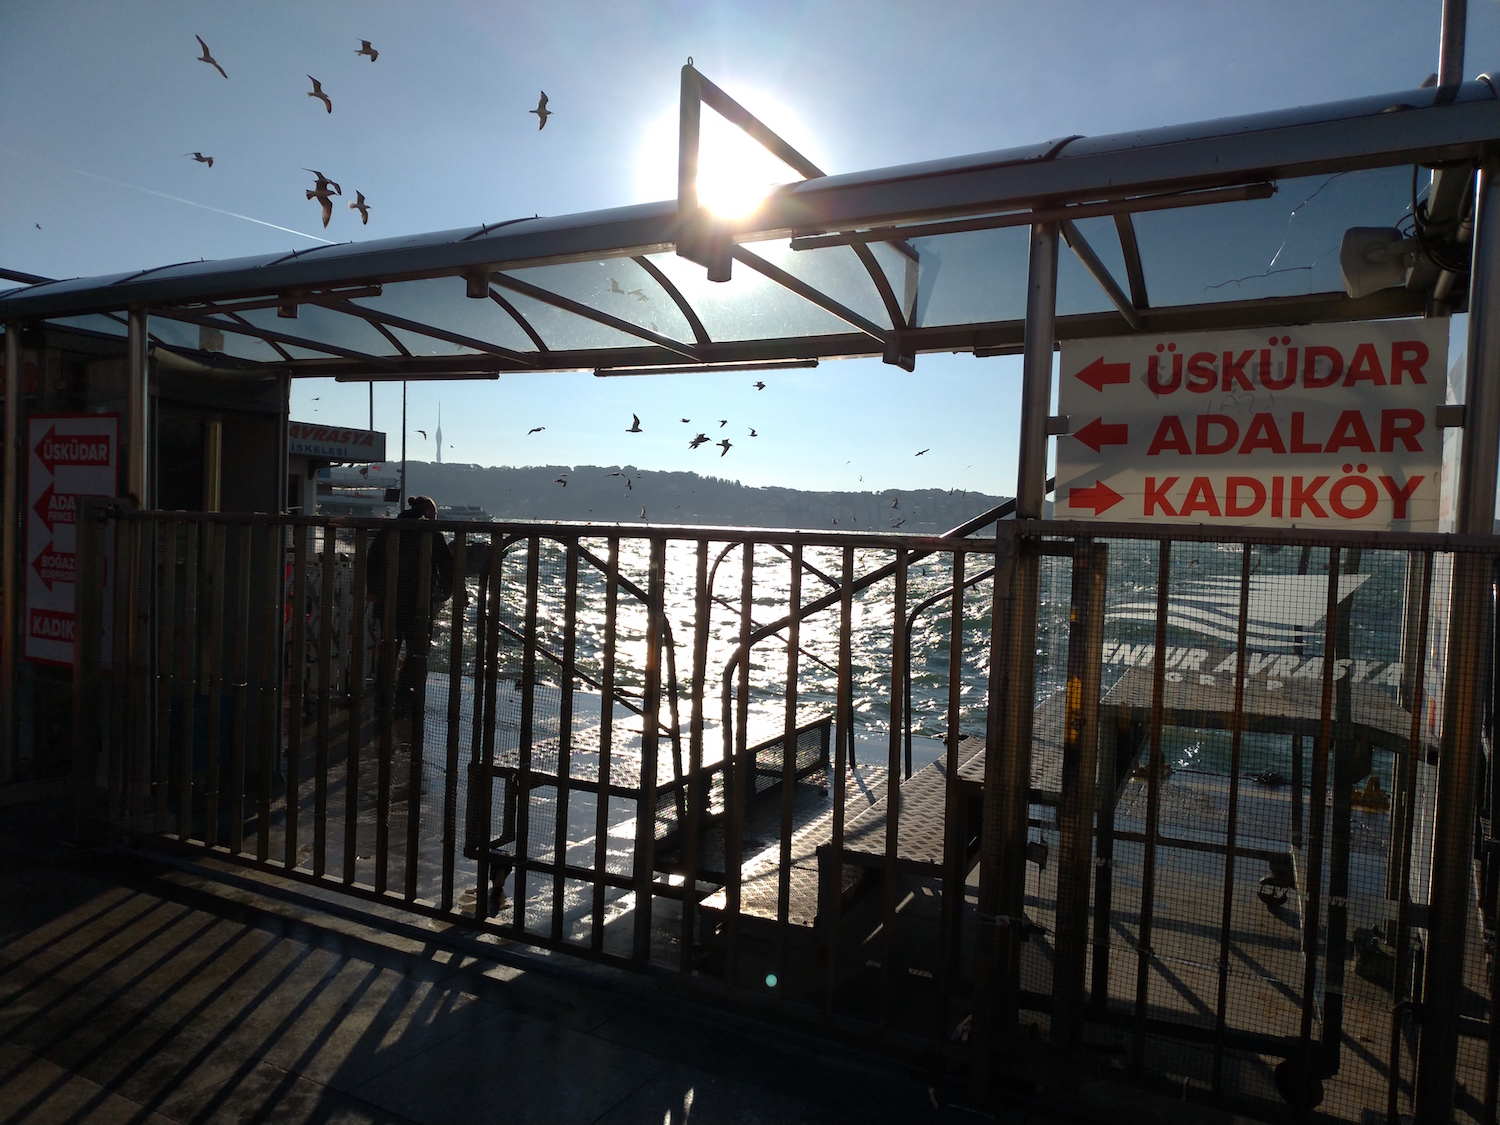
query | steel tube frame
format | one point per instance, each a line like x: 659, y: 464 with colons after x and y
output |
x: 1461, y: 752
x: 10, y: 763
x: 1036, y: 374
x: 138, y: 414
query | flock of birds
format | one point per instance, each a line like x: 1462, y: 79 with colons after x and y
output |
x: 325, y: 189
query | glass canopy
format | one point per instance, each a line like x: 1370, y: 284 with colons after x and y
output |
x: 1233, y: 221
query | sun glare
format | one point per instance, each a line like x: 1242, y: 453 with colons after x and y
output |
x: 734, y: 172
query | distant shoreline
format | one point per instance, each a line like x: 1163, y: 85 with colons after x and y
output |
x: 600, y: 492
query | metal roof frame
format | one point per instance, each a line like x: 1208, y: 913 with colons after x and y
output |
x: 1059, y: 181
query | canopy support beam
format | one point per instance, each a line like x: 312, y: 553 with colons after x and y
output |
x: 10, y: 765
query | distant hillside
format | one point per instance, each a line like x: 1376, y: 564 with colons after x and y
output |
x: 602, y: 493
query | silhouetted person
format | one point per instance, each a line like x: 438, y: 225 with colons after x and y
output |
x: 409, y: 626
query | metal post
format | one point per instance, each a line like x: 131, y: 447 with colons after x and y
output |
x: 1451, y: 43
x: 1036, y: 376
x: 138, y: 439
x: 403, y: 445
x: 1453, y: 828
x: 9, y: 747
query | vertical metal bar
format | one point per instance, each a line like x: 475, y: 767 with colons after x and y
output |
x: 1075, y: 815
x: 485, y: 774
x: 239, y: 677
x: 142, y: 681
x: 606, y: 741
x: 789, y: 759
x: 325, y: 700
x: 354, y: 729
x: 1345, y: 772
x: 386, y: 701
x: 891, y: 871
x: 831, y: 895
x: 212, y: 661
x: 456, y: 624
x: 1451, y: 43
x: 738, y: 771
x: 137, y: 415
x: 166, y: 678
x: 526, y: 734
x: 120, y: 698
x: 187, y: 679
x: 994, y: 1004
x: 87, y: 657
x: 955, y: 830
x: 418, y: 641
x: 1036, y: 371
x: 689, y: 110
x: 1226, y: 921
x: 297, y: 673
x: 697, y: 786
x: 645, y: 822
x: 10, y: 747
x: 272, y: 606
x: 1319, y: 800
x: 565, y: 736
x: 1144, y: 952
x: 1463, y: 710
x: 1400, y: 985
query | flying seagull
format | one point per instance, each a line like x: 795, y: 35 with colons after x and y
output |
x: 324, y: 182
x: 723, y: 422
x: 617, y: 474
x: 635, y: 424
x: 685, y: 421
x: 317, y: 92
x: 423, y: 433
x: 638, y: 294
x: 899, y: 522
x: 753, y: 433
x: 562, y: 481
x: 697, y: 441
x: 758, y: 385
x: 208, y: 58
x: 366, y: 49
x: 896, y: 503
x: 541, y: 111
x: 535, y: 430
x: 922, y: 451
x: 362, y: 207
x: 325, y: 197
x: 200, y: 158
x: 643, y: 511
x: 614, y: 287
x: 724, y: 445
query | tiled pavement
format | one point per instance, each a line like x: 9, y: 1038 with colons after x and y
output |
x: 134, y: 989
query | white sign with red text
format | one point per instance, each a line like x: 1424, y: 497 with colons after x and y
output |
x: 1313, y: 426
x: 69, y: 455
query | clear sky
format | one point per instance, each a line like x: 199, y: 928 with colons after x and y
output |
x: 100, y: 101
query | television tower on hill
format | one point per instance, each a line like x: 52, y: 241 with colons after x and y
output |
x: 440, y: 434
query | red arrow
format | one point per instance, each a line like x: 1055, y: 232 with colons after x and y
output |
x: 1100, y: 374
x: 55, y: 509
x: 1098, y: 434
x: 1101, y: 498
x: 52, y: 566
x: 72, y: 449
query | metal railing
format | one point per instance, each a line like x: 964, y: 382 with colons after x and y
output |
x: 1205, y: 872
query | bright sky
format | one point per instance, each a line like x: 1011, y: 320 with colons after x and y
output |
x: 100, y: 102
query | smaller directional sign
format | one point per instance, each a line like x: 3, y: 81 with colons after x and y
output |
x: 69, y: 455
x: 1308, y: 426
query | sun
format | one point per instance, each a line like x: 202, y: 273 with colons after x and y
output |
x: 734, y: 172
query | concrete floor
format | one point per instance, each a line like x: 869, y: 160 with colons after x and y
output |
x: 138, y: 989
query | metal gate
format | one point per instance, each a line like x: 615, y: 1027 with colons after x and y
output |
x: 1040, y: 805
